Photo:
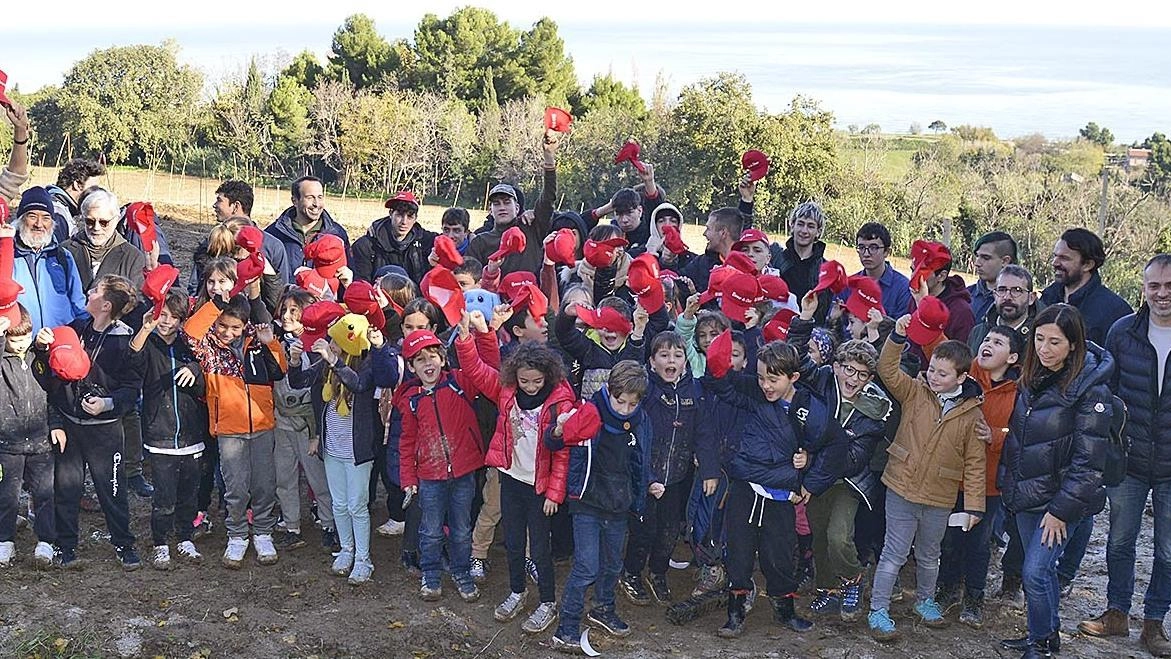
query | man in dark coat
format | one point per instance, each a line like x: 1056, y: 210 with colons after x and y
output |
x: 397, y: 239
x: 301, y: 223
x: 1077, y: 257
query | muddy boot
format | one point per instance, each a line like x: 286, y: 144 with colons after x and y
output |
x: 1154, y: 639
x: 972, y: 614
x: 735, y: 625
x: 1111, y: 623
x: 1011, y: 593
x: 785, y: 613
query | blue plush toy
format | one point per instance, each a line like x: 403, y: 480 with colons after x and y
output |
x: 478, y: 299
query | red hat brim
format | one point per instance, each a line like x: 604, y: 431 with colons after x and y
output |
x: 447, y: 253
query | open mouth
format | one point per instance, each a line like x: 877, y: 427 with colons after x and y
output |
x: 670, y: 372
x: 986, y: 354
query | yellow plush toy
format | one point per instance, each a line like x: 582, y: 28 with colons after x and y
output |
x: 349, y: 334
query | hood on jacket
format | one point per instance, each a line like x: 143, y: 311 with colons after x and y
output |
x: 872, y: 401
x: 1098, y: 369
x: 955, y: 291
x: 656, y: 240
x: 612, y: 421
x: 571, y: 220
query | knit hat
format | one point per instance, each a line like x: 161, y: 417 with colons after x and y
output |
x: 35, y: 198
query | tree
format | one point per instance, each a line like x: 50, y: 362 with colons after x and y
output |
x: 872, y: 129
x: 287, y: 111
x: 360, y: 55
x: 916, y: 128
x: 608, y: 92
x: 937, y: 126
x: 305, y: 70
x: 1157, y: 175
x: 548, y: 71
x: 1097, y: 134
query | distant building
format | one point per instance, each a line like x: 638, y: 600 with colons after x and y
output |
x: 1136, y: 159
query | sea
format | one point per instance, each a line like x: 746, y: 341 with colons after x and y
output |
x: 1018, y: 80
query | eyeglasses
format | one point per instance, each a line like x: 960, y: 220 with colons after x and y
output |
x: 851, y: 372
x: 93, y: 221
x: 870, y: 249
x: 1011, y: 291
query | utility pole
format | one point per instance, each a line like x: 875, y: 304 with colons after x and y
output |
x: 1102, y: 201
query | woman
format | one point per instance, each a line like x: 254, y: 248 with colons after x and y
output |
x: 1053, y: 459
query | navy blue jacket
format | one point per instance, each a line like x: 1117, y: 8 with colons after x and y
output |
x: 379, y: 248
x: 1055, y: 450
x: 282, y: 228
x: 115, y: 373
x: 1148, y: 425
x: 1099, y: 305
x: 595, y: 360
x: 675, y: 413
x: 173, y: 417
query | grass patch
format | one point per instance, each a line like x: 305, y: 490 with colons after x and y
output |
x: 51, y: 644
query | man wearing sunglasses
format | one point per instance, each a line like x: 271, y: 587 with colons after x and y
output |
x: 98, y: 248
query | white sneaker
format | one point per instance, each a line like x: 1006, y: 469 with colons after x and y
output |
x: 342, y: 563
x: 265, y: 550
x: 361, y: 572
x: 511, y: 606
x: 43, y: 556
x: 160, y: 558
x: 188, y: 553
x: 390, y: 528
x: 7, y: 551
x: 541, y: 619
x: 234, y: 553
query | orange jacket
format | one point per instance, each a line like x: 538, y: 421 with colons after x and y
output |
x: 239, y: 390
x: 998, y: 403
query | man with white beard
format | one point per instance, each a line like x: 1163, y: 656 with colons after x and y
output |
x: 53, y: 293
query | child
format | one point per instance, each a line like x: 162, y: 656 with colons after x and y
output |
x: 966, y: 555
x: 455, y: 224
x: 934, y: 450
x: 530, y: 390
x: 240, y: 361
x: 603, y: 270
x: 219, y: 277
x: 26, y: 454
x: 698, y: 329
x: 440, y: 450
x: 174, y: 424
x: 618, y: 339
x: 608, y: 476
x: 673, y: 404
x: 468, y: 275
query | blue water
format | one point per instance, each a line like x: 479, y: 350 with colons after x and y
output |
x: 1018, y: 80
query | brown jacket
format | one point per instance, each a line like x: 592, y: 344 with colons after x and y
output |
x: 931, y: 456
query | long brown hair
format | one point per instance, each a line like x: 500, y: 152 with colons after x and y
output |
x: 1069, y: 320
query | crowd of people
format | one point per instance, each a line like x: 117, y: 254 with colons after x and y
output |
x: 598, y: 387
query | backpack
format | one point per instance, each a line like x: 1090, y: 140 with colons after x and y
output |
x: 1119, y: 446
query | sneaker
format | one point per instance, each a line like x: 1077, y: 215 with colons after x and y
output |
x: 660, y: 591
x: 201, y: 525
x: 160, y: 557
x: 634, y: 588
x: 410, y: 563
x: 140, y: 487
x: 531, y: 570
x: 342, y: 563
x: 825, y: 602
x: 234, y: 553
x: 479, y: 570
x: 511, y: 607
x: 7, y: 551
x: 540, y: 619
x: 608, y: 621
x: 290, y: 540
x: 678, y: 565
x: 390, y: 528
x: 469, y: 592
x: 68, y: 559
x: 882, y: 628
x: 361, y: 572
x: 313, y: 513
x: 851, y: 599
x: 430, y: 594
x: 265, y: 550
x: 711, y: 579
x: 566, y: 644
x: 188, y: 553
x: 750, y: 598
x: 329, y: 540
x: 281, y: 524
x: 929, y: 612
x: 21, y: 522
x: 43, y: 556
x: 972, y: 614
x: 128, y: 557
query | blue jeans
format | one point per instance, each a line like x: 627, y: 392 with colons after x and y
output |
x: 446, y: 503
x: 909, y: 525
x: 1075, y: 549
x: 707, y: 522
x: 1127, y: 501
x: 1039, y: 576
x: 349, y: 491
x: 597, y: 560
x: 966, y: 554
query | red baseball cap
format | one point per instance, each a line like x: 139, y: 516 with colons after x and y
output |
x: 361, y: 298
x: 755, y: 163
x: 250, y: 238
x: 672, y: 240
x: 832, y: 276
x: 642, y: 277
x: 530, y: 298
x: 865, y: 294
x: 777, y: 328
x: 927, y: 256
x: 584, y: 423
x: 928, y: 321
x: 557, y: 119
x: 513, y: 282
x: 9, y: 292
x: 599, y: 253
x: 4, y: 100
x: 156, y: 284
x: 418, y: 340
x: 605, y: 318
x: 741, y: 262
x: 441, y: 289
x: 316, y: 318
x: 512, y: 242
x: 563, y: 247
x: 629, y: 153
x: 328, y: 254
x: 247, y: 271
x: 313, y: 281
x: 740, y: 292
x: 719, y: 354
x: 67, y: 357
x: 773, y: 288
x: 447, y: 253
x: 750, y: 236
x: 404, y: 198
x: 142, y: 219
x: 715, y: 283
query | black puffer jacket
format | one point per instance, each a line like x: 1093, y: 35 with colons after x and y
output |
x: 380, y: 248
x: 1056, y: 446
x: 1148, y: 427
x: 677, y: 430
x: 24, y: 406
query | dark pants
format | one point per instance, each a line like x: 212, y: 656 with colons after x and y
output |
x: 412, y: 518
x: 37, y: 472
x: 394, y: 504
x: 525, y: 523
x: 209, y: 475
x: 707, y: 522
x: 1042, y: 589
x: 870, y: 526
x: 132, y: 432
x: 966, y: 555
x: 100, y: 448
x: 1075, y: 549
x: 764, y: 529
x: 173, y: 505
x: 561, y: 526
x: 446, y: 503
x: 597, y: 560
x: 654, y: 537
x: 1014, y: 554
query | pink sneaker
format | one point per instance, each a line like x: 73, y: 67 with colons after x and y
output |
x: 199, y: 519
x: 249, y: 516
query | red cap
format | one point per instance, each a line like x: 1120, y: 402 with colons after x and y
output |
x: 750, y: 236
x: 606, y: 318
x: 927, y: 256
x: 447, y: 253
x: 831, y: 275
x: 312, y: 281
x: 404, y: 198
x: 740, y: 292
x: 715, y: 283
x: 672, y: 240
x: 9, y: 292
x: 513, y: 282
x: 629, y: 153
x: 530, y: 298
x: 777, y: 328
x: 441, y: 289
x: 328, y: 254
x: 248, y: 271
x: 250, y: 238
x: 719, y: 354
x: 773, y: 288
x: 418, y: 340
x: 741, y: 262
x: 642, y: 278
x: 563, y: 247
x: 755, y: 163
x: 142, y: 219
x: 67, y: 357
x: 557, y: 119
x: 360, y: 298
x: 584, y: 423
x: 600, y: 253
x: 512, y: 242
x: 865, y: 294
x: 928, y: 321
x: 156, y: 284
x: 4, y: 100
x: 316, y: 318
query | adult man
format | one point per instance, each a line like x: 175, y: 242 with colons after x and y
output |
x: 234, y: 199
x: 397, y: 239
x: 99, y: 249
x: 1141, y: 345
x: 632, y: 208
x: 951, y: 291
x: 504, y: 205
x: 1016, y: 305
x: 1077, y: 256
x: 992, y: 251
x: 53, y: 293
x: 804, y: 252
x: 77, y: 176
x: 723, y: 229
x: 300, y: 224
x: 873, y: 244
x: 456, y: 224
